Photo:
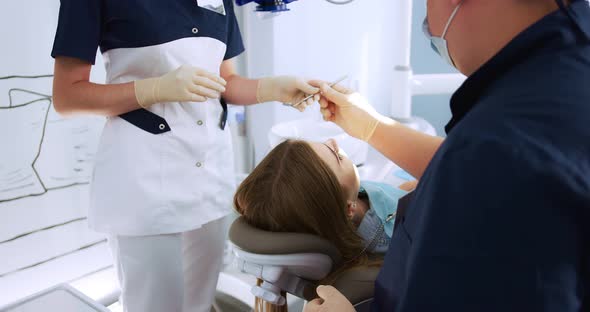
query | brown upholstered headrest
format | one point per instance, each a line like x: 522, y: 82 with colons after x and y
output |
x: 254, y: 240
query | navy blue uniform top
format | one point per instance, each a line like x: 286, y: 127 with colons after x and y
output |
x: 501, y: 218
x: 85, y: 25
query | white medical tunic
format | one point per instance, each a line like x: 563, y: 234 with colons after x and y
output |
x: 168, y: 169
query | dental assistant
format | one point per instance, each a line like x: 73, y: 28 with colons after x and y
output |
x: 164, y: 176
x: 500, y: 220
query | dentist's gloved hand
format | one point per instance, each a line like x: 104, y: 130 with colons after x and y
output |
x: 330, y: 300
x: 185, y: 84
x: 286, y: 89
x: 350, y: 111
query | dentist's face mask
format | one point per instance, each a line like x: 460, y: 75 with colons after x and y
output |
x: 439, y: 44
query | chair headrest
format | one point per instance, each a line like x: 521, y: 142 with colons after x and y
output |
x: 258, y: 241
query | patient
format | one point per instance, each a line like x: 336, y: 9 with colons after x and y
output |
x: 314, y: 188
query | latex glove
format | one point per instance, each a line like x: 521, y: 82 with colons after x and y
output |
x: 185, y: 84
x: 350, y: 111
x: 286, y: 89
x: 331, y: 300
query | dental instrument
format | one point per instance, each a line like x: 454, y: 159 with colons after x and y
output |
x: 312, y: 95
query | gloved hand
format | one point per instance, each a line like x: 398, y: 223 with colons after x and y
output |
x: 350, y: 111
x: 185, y: 84
x: 286, y: 89
x: 330, y: 300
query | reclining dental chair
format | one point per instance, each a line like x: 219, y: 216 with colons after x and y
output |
x: 294, y: 262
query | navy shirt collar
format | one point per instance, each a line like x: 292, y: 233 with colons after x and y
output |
x: 555, y: 30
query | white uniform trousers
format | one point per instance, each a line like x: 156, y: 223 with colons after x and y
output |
x: 171, y: 272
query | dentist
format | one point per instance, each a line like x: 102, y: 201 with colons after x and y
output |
x: 500, y: 220
x: 163, y: 178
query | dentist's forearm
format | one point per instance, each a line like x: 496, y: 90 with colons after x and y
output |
x: 87, y: 98
x: 73, y: 94
x: 240, y: 90
x: 410, y: 149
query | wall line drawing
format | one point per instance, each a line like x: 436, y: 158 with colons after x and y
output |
x: 45, y: 152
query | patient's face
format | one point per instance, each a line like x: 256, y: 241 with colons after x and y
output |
x: 343, y: 167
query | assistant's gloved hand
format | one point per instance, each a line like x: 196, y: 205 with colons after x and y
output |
x: 286, y: 89
x: 185, y: 84
x: 350, y: 111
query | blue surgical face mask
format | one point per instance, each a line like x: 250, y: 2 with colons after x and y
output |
x: 439, y: 44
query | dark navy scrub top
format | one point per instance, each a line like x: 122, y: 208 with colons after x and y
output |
x: 168, y: 169
x: 501, y: 219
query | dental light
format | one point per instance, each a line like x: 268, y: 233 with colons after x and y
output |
x: 277, y: 6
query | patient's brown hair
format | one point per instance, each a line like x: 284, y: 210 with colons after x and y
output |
x: 294, y: 190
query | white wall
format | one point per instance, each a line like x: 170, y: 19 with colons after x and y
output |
x: 434, y: 108
x: 45, y: 161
